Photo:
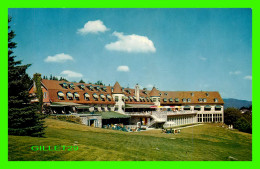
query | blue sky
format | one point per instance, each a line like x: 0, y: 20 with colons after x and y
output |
x: 171, y: 49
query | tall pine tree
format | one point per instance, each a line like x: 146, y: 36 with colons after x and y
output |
x: 23, y: 117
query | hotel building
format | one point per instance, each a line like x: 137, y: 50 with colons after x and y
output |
x: 99, y: 105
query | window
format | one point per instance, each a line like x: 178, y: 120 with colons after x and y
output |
x: 90, y: 87
x: 192, y: 94
x: 70, y: 96
x: 64, y: 85
x: 184, y: 100
x: 116, y: 108
x: 160, y: 94
x: 171, y: 100
x: 82, y: 87
x: 102, y: 97
x: 86, y: 96
x: 207, y: 94
x: 207, y: 108
x: 76, y: 96
x: 60, y: 95
x: 176, y: 99
x: 215, y: 100
x: 97, y: 88
x: 165, y: 94
x: 45, y: 95
x: 108, y: 97
x: 104, y: 89
x: 197, y: 107
x: 189, y: 100
x: 72, y: 86
x: 154, y: 99
x: 95, y: 96
x: 204, y: 100
x: 200, y: 99
x: 217, y: 108
x: 116, y: 98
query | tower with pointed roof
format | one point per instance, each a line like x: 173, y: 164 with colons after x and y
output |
x: 154, y: 94
x: 118, y: 96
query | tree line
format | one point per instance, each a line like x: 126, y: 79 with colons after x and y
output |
x: 240, y: 120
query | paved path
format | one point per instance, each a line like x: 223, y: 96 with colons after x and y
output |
x: 188, y: 126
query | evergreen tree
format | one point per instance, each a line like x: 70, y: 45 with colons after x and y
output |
x: 23, y: 118
x: 81, y: 81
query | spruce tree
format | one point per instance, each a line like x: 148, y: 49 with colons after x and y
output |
x: 23, y: 117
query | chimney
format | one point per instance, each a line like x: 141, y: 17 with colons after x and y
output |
x: 137, y: 94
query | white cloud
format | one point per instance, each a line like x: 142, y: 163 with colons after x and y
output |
x: 131, y: 43
x: 71, y: 74
x: 202, y: 58
x: 61, y: 57
x: 93, y: 27
x: 149, y: 86
x: 235, y: 72
x: 123, y: 69
x: 249, y: 77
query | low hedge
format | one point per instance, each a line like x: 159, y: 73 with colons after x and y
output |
x: 68, y: 118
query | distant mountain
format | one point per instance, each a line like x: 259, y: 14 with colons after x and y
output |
x: 236, y: 103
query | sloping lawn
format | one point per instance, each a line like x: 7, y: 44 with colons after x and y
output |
x: 205, y: 142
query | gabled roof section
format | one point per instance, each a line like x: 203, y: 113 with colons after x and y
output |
x: 117, y: 88
x: 154, y: 92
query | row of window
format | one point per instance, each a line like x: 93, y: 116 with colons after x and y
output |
x: 210, y: 118
x: 76, y: 96
x: 90, y: 87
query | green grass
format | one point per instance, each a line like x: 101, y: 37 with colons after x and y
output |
x: 205, y: 142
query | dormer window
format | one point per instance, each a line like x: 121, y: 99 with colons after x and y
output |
x: 215, y: 100
x: 200, y: 99
x: 189, y: 100
x: 95, y: 96
x: 109, y: 97
x: 82, y: 87
x: 76, y: 96
x: 160, y: 94
x: 104, y: 89
x: 102, y: 97
x: 61, y: 95
x: 204, y: 100
x: 171, y: 100
x: 192, y: 94
x: 130, y: 98
x: 135, y: 98
x: 184, y: 100
x: 97, y: 88
x: 147, y: 99
x: 69, y: 95
x: 64, y: 85
x: 176, y: 99
x: 90, y: 87
x: 72, y: 86
x: 86, y: 96
x: 207, y: 94
x: 165, y: 94
x: 145, y: 92
x: 165, y: 99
